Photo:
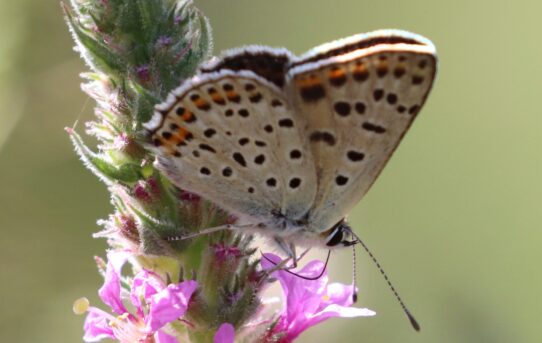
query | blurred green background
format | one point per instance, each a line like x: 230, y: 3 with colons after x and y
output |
x: 455, y: 217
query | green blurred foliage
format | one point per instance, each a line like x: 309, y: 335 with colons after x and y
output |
x: 455, y: 217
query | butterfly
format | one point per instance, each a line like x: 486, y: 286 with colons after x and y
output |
x: 290, y: 144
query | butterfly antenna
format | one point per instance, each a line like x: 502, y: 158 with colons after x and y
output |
x: 355, y: 289
x: 411, y: 318
x: 301, y: 276
x: 201, y: 233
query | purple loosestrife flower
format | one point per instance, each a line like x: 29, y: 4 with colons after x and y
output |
x: 224, y: 334
x: 164, y: 41
x: 155, y: 303
x: 143, y: 72
x: 309, y: 302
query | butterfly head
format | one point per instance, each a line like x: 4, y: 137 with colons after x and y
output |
x: 340, y: 235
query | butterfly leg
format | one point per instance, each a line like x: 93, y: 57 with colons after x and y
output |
x: 289, y: 250
x: 303, y: 254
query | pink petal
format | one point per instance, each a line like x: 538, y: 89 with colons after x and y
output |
x: 269, y: 261
x: 346, y: 312
x: 225, y: 334
x: 339, y: 294
x: 298, y: 325
x: 144, y: 285
x: 162, y: 337
x: 309, y: 302
x: 300, y: 295
x: 169, y: 304
x: 110, y: 291
x: 96, y: 326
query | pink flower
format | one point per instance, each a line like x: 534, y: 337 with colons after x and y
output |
x: 224, y: 253
x: 224, y: 334
x: 164, y: 41
x: 143, y: 72
x: 155, y: 303
x: 309, y: 302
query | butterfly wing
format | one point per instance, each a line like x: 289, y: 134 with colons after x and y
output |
x: 358, y: 96
x: 268, y: 63
x: 231, y: 137
x: 261, y: 133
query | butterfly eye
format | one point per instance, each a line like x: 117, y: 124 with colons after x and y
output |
x: 335, y: 236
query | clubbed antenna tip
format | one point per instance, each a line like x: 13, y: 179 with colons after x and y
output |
x: 413, y: 321
x: 411, y: 318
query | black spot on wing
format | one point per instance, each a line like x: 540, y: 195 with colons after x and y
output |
x: 398, y: 72
x: 313, y: 93
x: 378, y: 94
x: 207, y: 147
x: 260, y: 159
x: 239, y: 158
x: 271, y: 182
x: 286, y: 122
x: 255, y: 98
x: 209, y: 132
x: 382, y: 70
x: 373, y: 127
x: 341, y: 180
x: 295, y: 154
x: 276, y: 103
x: 414, y: 109
x: 417, y: 80
x: 342, y: 108
x: 323, y: 136
x: 243, y: 112
x: 294, y: 182
x: 355, y: 156
x: 391, y: 98
x: 360, y: 107
x: 227, y: 172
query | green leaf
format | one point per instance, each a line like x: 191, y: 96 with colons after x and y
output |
x: 97, y: 55
x: 101, y: 167
x: 153, y: 233
x: 149, y: 14
x: 205, y: 45
x: 143, y: 104
x: 201, y: 34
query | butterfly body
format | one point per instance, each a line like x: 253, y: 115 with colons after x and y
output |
x: 290, y: 144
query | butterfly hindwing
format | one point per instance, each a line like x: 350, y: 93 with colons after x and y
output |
x: 268, y: 63
x: 230, y: 136
x: 358, y: 105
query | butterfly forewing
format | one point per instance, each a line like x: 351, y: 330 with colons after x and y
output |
x: 357, y: 106
x: 232, y: 138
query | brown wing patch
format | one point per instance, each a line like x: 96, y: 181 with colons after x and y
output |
x: 264, y: 62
